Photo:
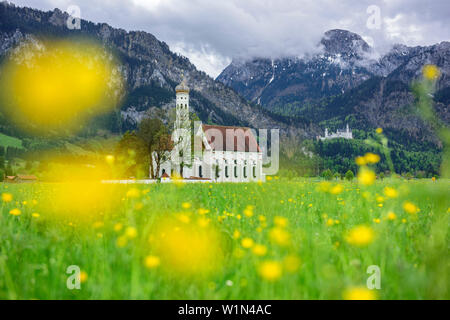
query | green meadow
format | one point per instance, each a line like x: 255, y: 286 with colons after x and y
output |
x: 302, y: 239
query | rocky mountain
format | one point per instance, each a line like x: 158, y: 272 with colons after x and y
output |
x: 151, y: 70
x: 346, y: 83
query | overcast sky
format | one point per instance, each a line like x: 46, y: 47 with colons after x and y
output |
x: 212, y: 32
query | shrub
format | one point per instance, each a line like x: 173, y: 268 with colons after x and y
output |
x: 349, y: 175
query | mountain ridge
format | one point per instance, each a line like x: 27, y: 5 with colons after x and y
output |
x: 150, y: 69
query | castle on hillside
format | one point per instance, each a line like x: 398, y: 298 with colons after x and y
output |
x: 340, y: 133
x: 217, y: 153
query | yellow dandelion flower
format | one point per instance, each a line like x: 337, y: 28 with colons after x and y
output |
x: 7, y: 197
x: 376, y: 220
x: 236, y: 234
x: 379, y: 130
x: 360, y: 236
x: 183, y: 218
x: 330, y: 222
x: 247, y: 243
x: 15, y: 212
x: 131, y: 232
x: 259, y: 250
x: 203, y: 211
x: 279, y: 236
x: 118, y: 227
x: 359, y: 293
x: 152, y: 262
x: 248, y: 211
x: 268, y: 178
x: 430, y: 72
x: 337, y: 189
x: 410, y: 207
x: 122, y: 241
x: 291, y: 263
x: 35, y: 215
x: 366, y: 176
x: 270, y: 270
x: 390, y: 192
x: 203, y: 222
x: 83, y: 276
x: 186, y: 205
x: 391, y: 215
x: 280, y: 221
x: 133, y: 193
x: 109, y: 159
x: 403, y: 220
x: 371, y: 157
x: 360, y: 161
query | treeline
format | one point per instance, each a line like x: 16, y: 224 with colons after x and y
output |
x: 339, y: 155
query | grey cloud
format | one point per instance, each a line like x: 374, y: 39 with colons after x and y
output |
x: 211, y: 33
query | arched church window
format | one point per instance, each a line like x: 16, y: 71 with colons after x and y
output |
x: 217, y: 171
x: 200, y: 173
x: 254, y: 172
x: 245, y: 172
x: 235, y: 172
x: 226, y: 171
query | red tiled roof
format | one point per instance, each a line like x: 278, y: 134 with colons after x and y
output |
x: 233, y: 138
x: 165, y: 175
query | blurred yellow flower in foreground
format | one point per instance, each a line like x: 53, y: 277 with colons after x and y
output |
x: 35, y: 215
x: 410, y: 207
x: 83, y: 276
x: 379, y: 130
x: 186, y: 249
x: 390, y: 192
x: 248, y: 211
x: 280, y: 236
x: 270, y: 270
x: 359, y: 293
x: 133, y: 193
x: 7, y: 197
x: 391, y: 215
x: 122, y: 241
x: 430, y: 72
x: 360, y: 236
x: 247, y: 243
x: 152, y: 262
x: 360, y: 161
x: 15, y: 212
x: 371, y: 158
x: 131, y: 232
x: 186, y: 205
x: 109, y: 159
x: 280, y: 221
x: 118, y: 226
x: 57, y: 85
x: 337, y: 189
x: 259, y: 250
x: 366, y: 176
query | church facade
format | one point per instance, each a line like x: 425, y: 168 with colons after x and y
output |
x: 210, y: 152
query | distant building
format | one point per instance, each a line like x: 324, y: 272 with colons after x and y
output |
x: 341, y: 133
x: 21, y: 178
x: 229, y: 154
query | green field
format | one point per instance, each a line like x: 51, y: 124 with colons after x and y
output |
x: 7, y: 141
x: 277, y: 240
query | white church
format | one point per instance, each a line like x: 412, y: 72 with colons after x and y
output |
x: 216, y: 154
